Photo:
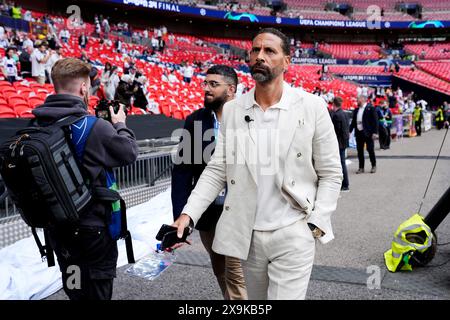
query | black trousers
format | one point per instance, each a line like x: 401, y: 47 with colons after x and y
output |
x: 418, y: 126
x: 383, y: 137
x: 345, y: 182
x: 388, y: 137
x: 361, y: 140
x: 87, y: 257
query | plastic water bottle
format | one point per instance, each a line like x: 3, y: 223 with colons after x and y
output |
x: 151, y: 266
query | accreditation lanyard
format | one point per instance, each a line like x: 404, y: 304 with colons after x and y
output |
x: 216, y: 126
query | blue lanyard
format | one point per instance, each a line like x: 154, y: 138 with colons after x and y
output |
x: 216, y: 126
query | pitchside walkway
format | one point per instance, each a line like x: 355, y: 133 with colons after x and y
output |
x: 364, y: 224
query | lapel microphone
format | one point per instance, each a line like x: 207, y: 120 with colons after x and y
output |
x: 248, y: 119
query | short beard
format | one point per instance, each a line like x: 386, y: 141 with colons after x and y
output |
x: 216, y: 104
x: 265, y: 76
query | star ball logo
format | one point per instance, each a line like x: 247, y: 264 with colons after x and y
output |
x: 278, y: 20
x: 203, y: 12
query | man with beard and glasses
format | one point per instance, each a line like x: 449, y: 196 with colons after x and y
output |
x: 87, y: 244
x: 278, y: 155
x: 219, y: 87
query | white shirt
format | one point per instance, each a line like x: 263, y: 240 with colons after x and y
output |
x: 359, y: 117
x: 10, y: 66
x: 188, y: 72
x: 37, y: 69
x: 51, y: 61
x: 273, y: 211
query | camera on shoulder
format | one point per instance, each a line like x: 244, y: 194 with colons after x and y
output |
x: 102, y: 108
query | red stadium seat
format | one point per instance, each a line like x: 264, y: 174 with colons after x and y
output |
x: 24, y: 111
x: 178, y: 114
x: 33, y: 102
x: 7, y: 113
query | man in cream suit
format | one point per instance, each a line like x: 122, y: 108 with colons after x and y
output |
x: 278, y: 154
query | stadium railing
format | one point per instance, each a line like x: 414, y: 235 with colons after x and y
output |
x: 138, y: 182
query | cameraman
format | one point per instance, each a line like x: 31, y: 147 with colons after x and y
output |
x: 88, y: 245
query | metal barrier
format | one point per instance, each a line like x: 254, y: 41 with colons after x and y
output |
x: 138, y: 182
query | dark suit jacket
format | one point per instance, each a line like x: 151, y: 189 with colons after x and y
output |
x: 370, y: 121
x: 341, y: 127
x: 186, y: 175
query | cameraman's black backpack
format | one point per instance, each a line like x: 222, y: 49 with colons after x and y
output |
x: 43, y: 177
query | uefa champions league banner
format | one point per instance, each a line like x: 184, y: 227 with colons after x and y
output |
x: 331, y: 61
x: 248, y: 17
x: 370, y: 80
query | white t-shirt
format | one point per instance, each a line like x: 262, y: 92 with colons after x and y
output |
x: 51, y: 61
x: 37, y: 69
x: 10, y: 66
x: 188, y: 72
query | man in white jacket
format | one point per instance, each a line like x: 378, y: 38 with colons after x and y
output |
x: 278, y: 154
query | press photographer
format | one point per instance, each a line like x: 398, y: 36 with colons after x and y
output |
x: 100, y: 146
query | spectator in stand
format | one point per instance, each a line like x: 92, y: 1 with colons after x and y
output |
x: 82, y: 40
x: 106, y: 27
x: 64, y: 35
x: 110, y: 81
x: 39, y: 58
x: 155, y: 44
x: 140, y: 96
x: 27, y: 42
x: 188, y: 72
x: 118, y: 45
x: 124, y: 91
x: 9, y: 65
x: 171, y: 39
x: 54, y: 56
x: 98, y: 29
x: 95, y: 81
x: 4, y: 43
x: 51, y: 41
x: 162, y: 45
x: 25, y: 62
x: 2, y: 32
x: 172, y: 77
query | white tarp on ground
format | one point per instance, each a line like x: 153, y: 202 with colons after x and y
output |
x: 24, y: 276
